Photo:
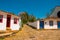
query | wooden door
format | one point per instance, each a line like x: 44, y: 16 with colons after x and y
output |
x: 8, y: 20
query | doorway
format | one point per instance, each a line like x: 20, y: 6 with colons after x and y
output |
x: 8, y: 20
x: 41, y: 24
x: 58, y: 23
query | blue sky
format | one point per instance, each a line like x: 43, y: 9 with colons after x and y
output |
x: 38, y: 8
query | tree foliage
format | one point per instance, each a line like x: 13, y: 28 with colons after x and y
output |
x: 25, y: 17
x: 32, y: 18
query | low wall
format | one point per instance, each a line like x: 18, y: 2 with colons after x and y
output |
x: 34, y: 24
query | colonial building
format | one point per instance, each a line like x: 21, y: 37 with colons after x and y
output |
x: 9, y: 21
x: 51, y: 22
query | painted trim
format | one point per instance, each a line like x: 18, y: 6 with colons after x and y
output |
x: 8, y: 24
x: 15, y: 20
x: 1, y: 19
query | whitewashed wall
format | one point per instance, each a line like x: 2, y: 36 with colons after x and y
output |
x: 34, y: 24
x: 3, y: 24
x: 14, y: 26
x: 20, y: 23
x: 47, y: 26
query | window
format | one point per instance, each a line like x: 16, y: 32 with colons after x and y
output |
x: 1, y: 18
x: 15, y: 20
x: 45, y: 22
x: 51, y: 23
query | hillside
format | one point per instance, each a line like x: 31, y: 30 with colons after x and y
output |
x: 28, y: 33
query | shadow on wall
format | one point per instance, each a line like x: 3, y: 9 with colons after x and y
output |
x: 31, y: 26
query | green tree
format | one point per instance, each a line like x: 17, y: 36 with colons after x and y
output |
x: 32, y: 18
x: 24, y: 17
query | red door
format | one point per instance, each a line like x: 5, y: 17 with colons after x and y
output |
x: 8, y: 20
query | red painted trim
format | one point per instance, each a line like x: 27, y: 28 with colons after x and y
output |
x: 15, y: 20
x: 1, y: 20
x: 8, y: 21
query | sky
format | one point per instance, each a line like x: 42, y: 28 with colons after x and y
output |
x: 38, y: 8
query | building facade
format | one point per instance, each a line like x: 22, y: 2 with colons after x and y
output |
x: 51, y: 22
x: 9, y: 21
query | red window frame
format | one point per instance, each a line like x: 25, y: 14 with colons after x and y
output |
x: 1, y: 18
x: 15, y: 20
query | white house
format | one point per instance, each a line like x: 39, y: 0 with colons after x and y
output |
x: 9, y: 21
x: 51, y: 22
